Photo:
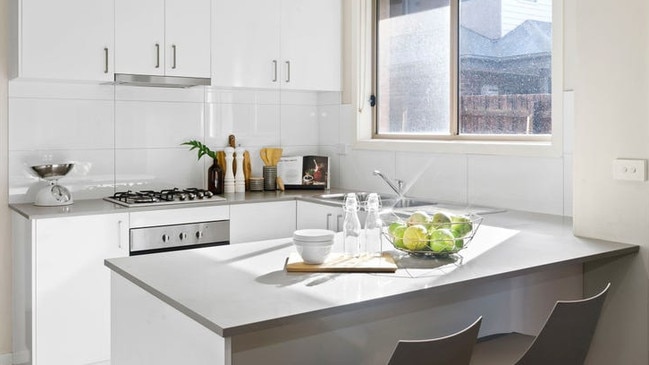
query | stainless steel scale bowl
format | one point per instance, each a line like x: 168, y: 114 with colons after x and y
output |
x: 53, y: 194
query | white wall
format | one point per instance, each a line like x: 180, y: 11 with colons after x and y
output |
x: 612, y: 121
x: 5, y: 241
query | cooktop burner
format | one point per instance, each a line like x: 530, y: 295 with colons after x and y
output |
x: 162, y: 197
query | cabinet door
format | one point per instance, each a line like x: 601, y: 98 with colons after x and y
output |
x: 261, y: 221
x: 66, y: 40
x: 139, y: 37
x: 312, y: 215
x: 245, y: 43
x: 311, y: 44
x: 187, y: 35
x: 72, y: 295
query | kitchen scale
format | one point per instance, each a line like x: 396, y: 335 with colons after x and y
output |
x: 53, y: 194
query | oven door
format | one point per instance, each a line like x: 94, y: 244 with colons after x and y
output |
x: 144, y: 240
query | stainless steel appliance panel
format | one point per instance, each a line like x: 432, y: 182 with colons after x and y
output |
x: 180, y: 236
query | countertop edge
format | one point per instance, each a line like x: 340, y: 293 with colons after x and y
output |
x: 627, y: 249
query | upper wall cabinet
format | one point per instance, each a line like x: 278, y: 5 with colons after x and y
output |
x: 63, y: 39
x: 292, y: 44
x: 163, y: 37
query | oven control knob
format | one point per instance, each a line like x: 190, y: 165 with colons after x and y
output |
x: 165, y: 238
x: 199, y: 234
x: 182, y: 236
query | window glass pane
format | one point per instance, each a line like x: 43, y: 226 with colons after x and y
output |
x: 413, y: 79
x: 504, y: 62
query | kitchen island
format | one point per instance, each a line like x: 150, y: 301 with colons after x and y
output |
x: 237, y: 305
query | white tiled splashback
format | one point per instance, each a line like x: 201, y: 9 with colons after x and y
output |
x: 129, y: 138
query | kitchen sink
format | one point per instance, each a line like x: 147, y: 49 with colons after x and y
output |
x: 405, y: 206
x: 387, y: 200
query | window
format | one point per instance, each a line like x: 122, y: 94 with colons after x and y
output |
x: 463, y: 68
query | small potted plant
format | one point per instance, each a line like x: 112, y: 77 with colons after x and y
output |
x: 215, y: 175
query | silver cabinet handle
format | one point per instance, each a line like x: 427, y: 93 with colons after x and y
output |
x: 157, y: 55
x: 288, y: 71
x: 173, y: 49
x: 105, y: 60
x: 328, y: 216
x: 274, y: 70
x: 338, y: 218
x: 119, y: 233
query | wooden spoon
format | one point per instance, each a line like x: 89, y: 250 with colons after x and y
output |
x: 264, y: 156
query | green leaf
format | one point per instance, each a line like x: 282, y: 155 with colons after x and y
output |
x: 202, y: 149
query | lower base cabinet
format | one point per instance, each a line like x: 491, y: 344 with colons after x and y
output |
x: 313, y: 215
x: 262, y: 221
x: 62, y: 288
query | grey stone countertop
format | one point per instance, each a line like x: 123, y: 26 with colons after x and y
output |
x: 100, y: 206
x: 238, y: 289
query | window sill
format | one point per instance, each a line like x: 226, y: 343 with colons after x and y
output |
x: 516, y: 148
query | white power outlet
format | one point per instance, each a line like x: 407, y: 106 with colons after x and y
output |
x: 630, y: 169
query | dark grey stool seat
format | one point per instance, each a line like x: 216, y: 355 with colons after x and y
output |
x: 564, y: 339
x: 453, y: 349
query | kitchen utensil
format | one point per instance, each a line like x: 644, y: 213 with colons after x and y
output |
x: 53, y: 194
x: 247, y: 168
x: 270, y: 177
x: 275, y: 155
x: 280, y: 184
x: 263, y: 153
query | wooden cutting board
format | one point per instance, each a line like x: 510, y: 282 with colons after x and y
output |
x: 337, y: 262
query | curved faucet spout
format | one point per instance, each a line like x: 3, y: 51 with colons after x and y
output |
x: 398, y: 187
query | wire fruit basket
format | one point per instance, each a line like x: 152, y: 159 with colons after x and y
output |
x: 436, y: 234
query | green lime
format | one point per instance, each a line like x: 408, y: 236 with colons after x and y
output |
x: 415, y: 237
x: 442, y: 240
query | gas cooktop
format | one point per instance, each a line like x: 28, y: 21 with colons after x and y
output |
x: 147, y: 198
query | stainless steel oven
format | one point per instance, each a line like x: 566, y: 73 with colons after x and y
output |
x: 145, y: 240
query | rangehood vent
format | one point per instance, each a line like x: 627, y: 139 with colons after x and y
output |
x: 160, y: 81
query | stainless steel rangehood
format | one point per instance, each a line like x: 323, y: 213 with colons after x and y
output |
x: 160, y: 81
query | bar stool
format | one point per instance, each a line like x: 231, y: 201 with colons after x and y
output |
x: 564, y: 338
x: 453, y: 349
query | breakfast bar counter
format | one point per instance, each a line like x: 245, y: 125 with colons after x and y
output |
x: 237, y: 304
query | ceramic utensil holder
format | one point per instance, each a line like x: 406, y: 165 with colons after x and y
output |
x: 270, y: 177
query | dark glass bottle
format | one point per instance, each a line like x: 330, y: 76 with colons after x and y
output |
x: 215, y: 178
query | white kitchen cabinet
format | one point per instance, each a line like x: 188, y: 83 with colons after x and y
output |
x: 61, y: 40
x: 288, y: 44
x: 163, y: 37
x: 62, y: 311
x: 262, y: 221
x: 313, y: 215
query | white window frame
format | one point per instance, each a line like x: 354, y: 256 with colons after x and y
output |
x: 361, y: 59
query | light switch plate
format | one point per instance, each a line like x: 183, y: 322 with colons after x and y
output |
x: 630, y: 169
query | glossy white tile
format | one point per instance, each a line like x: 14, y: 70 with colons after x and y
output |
x: 299, y: 126
x: 252, y: 124
x: 521, y: 183
x: 437, y: 177
x: 329, y: 98
x: 328, y: 124
x: 192, y: 94
x: 158, y: 168
x: 242, y: 96
x: 91, y: 177
x: 60, y: 124
x: 60, y: 90
x: 356, y: 170
x: 142, y: 124
x: 288, y: 97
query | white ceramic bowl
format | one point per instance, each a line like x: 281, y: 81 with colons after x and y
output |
x: 313, y: 245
